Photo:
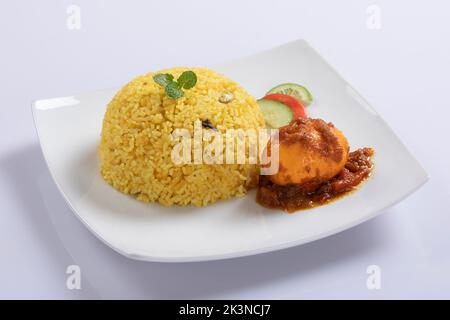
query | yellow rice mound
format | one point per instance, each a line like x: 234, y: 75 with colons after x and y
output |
x: 135, y: 148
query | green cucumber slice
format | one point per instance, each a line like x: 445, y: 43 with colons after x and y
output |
x: 275, y: 113
x: 294, y: 90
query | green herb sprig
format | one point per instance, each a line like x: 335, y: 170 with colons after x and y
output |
x: 172, y: 88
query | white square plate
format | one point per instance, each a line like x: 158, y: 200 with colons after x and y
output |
x: 69, y: 130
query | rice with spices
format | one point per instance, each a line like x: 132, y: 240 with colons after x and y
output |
x: 135, y: 147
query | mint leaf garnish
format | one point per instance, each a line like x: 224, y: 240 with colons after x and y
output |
x: 163, y: 79
x: 187, y: 79
x: 173, y: 91
x: 172, y: 88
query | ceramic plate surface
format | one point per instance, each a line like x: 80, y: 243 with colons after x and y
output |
x: 69, y: 131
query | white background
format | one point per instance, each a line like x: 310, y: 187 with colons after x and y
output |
x: 403, y: 70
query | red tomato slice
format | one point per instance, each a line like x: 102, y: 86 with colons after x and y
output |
x: 294, y: 104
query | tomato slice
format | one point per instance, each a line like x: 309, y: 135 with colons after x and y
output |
x: 294, y: 104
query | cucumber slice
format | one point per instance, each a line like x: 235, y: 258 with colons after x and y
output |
x: 294, y: 90
x: 275, y: 113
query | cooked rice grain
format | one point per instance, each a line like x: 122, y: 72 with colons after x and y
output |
x: 135, y: 148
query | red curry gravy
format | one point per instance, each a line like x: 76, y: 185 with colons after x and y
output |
x: 294, y: 197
